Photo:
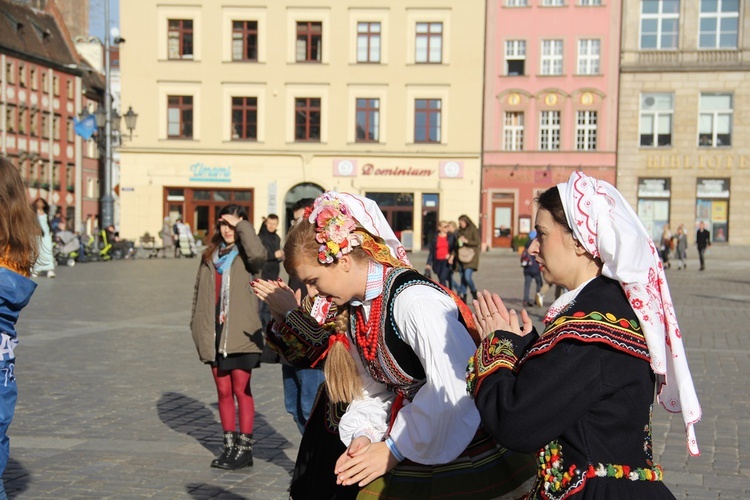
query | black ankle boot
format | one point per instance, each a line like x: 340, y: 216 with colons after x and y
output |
x: 474, y: 294
x: 241, y: 454
x: 229, y: 439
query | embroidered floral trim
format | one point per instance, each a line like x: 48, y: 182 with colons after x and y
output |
x: 492, y: 354
x: 335, y: 225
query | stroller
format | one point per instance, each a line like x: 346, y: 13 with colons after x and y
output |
x: 67, y: 249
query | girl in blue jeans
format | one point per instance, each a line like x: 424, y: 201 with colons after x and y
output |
x: 18, y: 252
x: 468, y: 236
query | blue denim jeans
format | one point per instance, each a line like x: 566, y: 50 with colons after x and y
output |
x: 8, y: 396
x: 527, y: 279
x: 467, y: 281
x: 300, y: 388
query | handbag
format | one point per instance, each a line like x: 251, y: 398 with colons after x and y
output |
x: 465, y: 254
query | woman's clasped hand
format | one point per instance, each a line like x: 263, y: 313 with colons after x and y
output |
x: 491, y: 315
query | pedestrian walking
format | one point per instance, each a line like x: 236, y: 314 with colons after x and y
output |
x: 441, y: 254
x: 226, y: 328
x: 666, y: 246
x: 453, y: 229
x: 467, y: 255
x: 45, y: 262
x: 18, y: 249
x: 167, y: 236
x: 531, y: 272
x: 680, y: 247
x: 412, y: 412
x: 582, y: 393
x: 274, y: 256
x: 702, y: 241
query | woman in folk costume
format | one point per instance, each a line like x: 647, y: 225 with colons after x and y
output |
x: 226, y: 327
x: 582, y: 393
x: 410, y: 429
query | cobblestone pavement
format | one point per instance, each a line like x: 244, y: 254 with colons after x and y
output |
x: 113, y: 402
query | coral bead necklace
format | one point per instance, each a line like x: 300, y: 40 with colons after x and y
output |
x: 367, y: 332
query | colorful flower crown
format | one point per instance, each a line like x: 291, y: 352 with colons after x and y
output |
x: 334, y: 225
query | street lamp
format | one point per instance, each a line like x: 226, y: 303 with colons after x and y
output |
x: 130, y: 119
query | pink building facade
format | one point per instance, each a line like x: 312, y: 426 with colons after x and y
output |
x: 551, y: 93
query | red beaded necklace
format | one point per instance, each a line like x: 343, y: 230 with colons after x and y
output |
x: 367, y: 333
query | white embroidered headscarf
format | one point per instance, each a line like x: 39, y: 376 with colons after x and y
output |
x: 608, y: 228
x: 367, y: 214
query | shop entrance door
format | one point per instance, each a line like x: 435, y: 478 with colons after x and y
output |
x: 502, y: 220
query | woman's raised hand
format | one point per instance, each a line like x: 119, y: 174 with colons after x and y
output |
x: 491, y: 315
x: 280, y: 298
x: 230, y: 219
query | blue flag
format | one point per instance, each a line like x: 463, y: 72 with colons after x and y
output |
x: 86, y: 127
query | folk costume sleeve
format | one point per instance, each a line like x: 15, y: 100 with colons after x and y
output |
x: 300, y: 338
x: 441, y: 420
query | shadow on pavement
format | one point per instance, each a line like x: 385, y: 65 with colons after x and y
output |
x: 205, y: 491
x: 16, y: 478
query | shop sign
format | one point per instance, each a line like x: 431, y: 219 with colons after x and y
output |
x: 713, y: 188
x: 370, y: 169
x: 698, y: 162
x: 654, y: 188
x: 203, y: 173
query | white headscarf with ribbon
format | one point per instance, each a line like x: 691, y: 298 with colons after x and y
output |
x: 368, y: 215
x: 608, y: 228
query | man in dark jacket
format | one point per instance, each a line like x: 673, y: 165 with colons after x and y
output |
x: 531, y: 271
x: 274, y: 256
x: 703, y: 241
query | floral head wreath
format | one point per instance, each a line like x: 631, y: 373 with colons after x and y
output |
x: 334, y: 228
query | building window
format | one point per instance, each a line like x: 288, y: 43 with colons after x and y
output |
x: 70, y: 133
x: 34, y: 124
x: 515, y: 57
x: 368, y: 120
x: 56, y: 175
x: 586, y: 130
x: 307, y: 119
x: 56, y: 127
x: 552, y: 3
x: 45, y: 125
x: 90, y: 187
x: 244, y: 40
x: 55, y: 85
x: 70, y: 177
x: 10, y: 118
x: 22, y: 74
x: 42, y: 176
x: 368, y: 42
x: 180, y: 117
x: 588, y: 57
x: 516, y: 3
x: 429, y: 43
x: 552, y: 57
x: 45, y: 82
x: 427, y: 120
x: 10, y: 73
x: 180, y: 38
x: 22, y: 117
x: 719, y: 24
x: 245, y: 118
x: 715, y: 122
x: 660, y: 24
x: 549, y: 130
x: 32, y: 78
x: 69, y: 88
x: 657, y: 111
x: 589, y: 3
x: 309, y: 42
x: 513, y: 131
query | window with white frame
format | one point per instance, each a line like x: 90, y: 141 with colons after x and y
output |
x: 586, y: 130
x: 516, y: 3
x: 368, y: 42
x: 552, y: 3
x: 589, y: 3
x: 515, y: 57
x: 588, y: 57
x: 715, y: 121
x: 719, y: 24
x: 552, y: 57
x: 513, y: 131
x: 657, y: 112
x: 660, y: 24
x: 549, y: 130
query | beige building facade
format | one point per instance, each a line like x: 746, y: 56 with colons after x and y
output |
x: 683, y: 157
x: 266, y: 104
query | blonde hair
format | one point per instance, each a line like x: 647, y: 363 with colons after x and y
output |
x: 343, y: 382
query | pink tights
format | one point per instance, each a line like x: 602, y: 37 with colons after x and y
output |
x: 230, y: 385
